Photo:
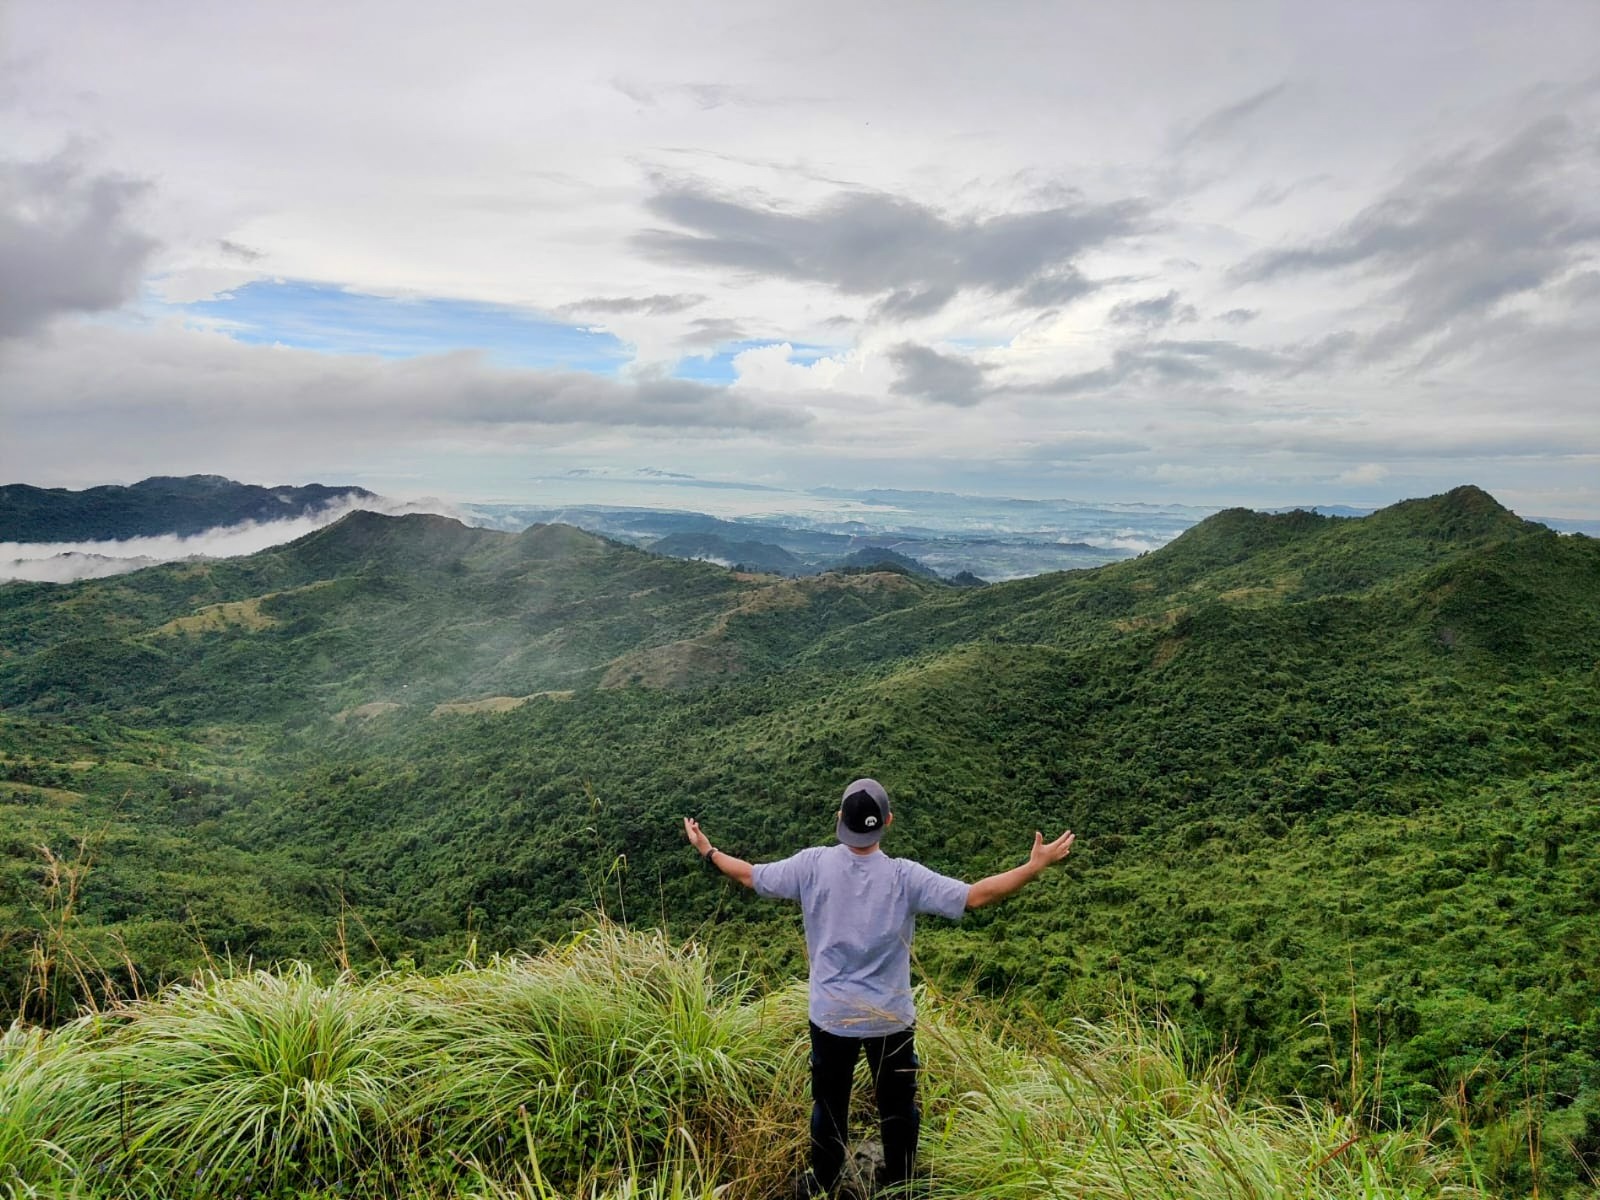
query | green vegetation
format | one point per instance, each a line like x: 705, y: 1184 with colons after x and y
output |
x: 618, y: 1065
x: 1335, y: 782
x: 184, y: 505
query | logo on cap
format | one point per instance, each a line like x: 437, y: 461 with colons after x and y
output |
x: 871, y: 822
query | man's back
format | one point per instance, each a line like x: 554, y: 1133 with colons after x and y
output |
x: 860, y: 912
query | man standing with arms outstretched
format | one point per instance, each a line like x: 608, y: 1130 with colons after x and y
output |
x: 860, y: 907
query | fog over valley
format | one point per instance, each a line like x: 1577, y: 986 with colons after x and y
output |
x: 991, y: 537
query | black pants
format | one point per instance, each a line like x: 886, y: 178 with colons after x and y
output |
x: 893, y: 1062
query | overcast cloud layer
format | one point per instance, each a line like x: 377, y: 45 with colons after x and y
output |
x: 1256, y: 253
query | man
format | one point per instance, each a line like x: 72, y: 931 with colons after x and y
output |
x: 859, y: 907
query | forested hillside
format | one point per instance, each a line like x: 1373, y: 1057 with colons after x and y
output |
x: 181, y: 505
x: 1334, y: 779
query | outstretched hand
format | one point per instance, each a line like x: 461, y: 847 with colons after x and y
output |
x: 691, y: 830
x: 1045, y: 854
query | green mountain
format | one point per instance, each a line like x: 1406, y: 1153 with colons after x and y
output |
x: 414, y: 610
x: 879, y: 557
x: 742, y: 553
x: 184, y: 505
x: 1335, y: 779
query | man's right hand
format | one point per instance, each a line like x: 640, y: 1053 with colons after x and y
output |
x: 734, y: 868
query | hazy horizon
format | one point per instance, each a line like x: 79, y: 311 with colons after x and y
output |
x: 940, y: 518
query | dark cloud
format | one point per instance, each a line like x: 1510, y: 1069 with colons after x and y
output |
x: 619, y: 306
x: 1055, y: 290
x: 1331, y: 351
x: 929, y: 375
x: 704, y: 96
x: 1153, y: 312
x: 1269, y: 195
x: 1461, y: 235
x: 67, y: 242
x: 242, y: 253
x: 1239, y: 316
x: 713, y: 331
x: 174, y: 382
x: 1165, y: 362
x: 1582, y: 288
x: 1227, y: 119
x: 909, y: 256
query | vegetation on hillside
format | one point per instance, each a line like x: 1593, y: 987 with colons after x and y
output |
x: 1335, y: 781
x: 620, y: 1066
x: 162, y: 504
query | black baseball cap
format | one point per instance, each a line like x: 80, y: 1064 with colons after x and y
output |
x: 864, y: 814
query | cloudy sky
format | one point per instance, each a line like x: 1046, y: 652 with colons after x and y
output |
x: 1212, y: 252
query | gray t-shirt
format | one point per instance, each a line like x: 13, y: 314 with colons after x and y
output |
x: 860, y: 910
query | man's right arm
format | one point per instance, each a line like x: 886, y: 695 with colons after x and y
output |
x: 998, y: 887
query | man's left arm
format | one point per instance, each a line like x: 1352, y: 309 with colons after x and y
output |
x: 998, y: 887
x: 734, y: 868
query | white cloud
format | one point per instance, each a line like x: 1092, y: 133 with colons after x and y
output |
x: 132, y: 394
x: 1365, y: 473
x: 64, y: 562
x: 772, y: 369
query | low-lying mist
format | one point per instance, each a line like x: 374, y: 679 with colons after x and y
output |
x: 67, y: 562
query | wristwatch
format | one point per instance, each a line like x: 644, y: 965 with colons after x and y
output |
x: 707, y: 857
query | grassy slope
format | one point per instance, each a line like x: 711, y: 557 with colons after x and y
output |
x: 620, y: 1066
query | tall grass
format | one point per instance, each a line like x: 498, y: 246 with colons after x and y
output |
x: 1121, y: 1110
x: 257, y: 1080
x: 33, y: 1066
x: 614, y: 1050
x: 619, y: 1067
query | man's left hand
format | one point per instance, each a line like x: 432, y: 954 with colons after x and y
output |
x: 691, y: 830
x: 1046, y: 854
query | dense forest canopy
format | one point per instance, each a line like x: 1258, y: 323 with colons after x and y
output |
x: 1334, y: 779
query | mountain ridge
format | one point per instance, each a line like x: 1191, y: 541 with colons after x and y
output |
x: 162, y: 504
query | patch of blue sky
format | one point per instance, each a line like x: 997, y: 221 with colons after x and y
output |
x: 718, y: 367
x: 314, y: 316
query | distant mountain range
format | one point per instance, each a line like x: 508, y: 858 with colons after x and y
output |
x: 426, y: 609
x: 933, y: 534
x: 163, y: 504
x: 70, y: 535
x: 942, y: 539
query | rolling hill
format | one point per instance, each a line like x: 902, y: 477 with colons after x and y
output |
x: 421, y: 609
x: 1335, y: 779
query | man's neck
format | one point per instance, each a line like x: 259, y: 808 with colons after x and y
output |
x: 863, y: 851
